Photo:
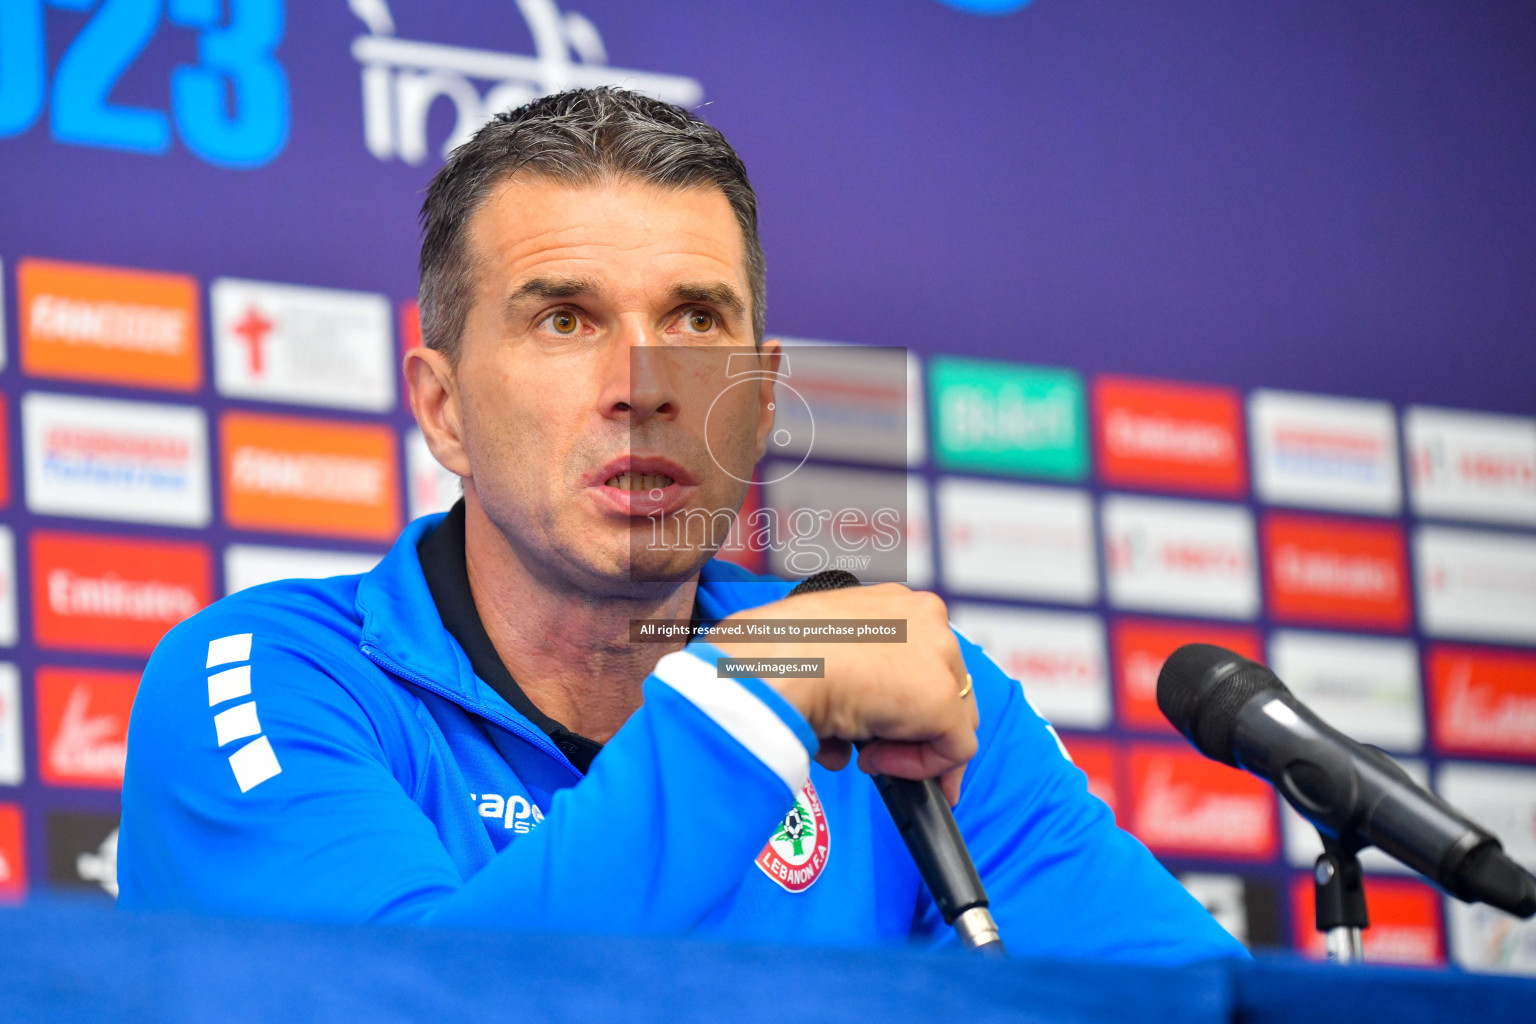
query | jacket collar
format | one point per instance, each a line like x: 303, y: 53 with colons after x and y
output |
x: 400, y: 621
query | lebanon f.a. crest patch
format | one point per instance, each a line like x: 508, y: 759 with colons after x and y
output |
x: 796, y: 853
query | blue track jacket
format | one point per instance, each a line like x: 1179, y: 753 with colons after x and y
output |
x: 321, y: 749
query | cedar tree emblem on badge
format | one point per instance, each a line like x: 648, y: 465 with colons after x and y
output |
x: 795, y: 855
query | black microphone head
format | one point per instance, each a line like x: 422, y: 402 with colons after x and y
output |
x: 827, y: 579
x: 1201, y: 689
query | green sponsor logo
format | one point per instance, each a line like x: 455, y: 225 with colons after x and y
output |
x: 1007, y: 418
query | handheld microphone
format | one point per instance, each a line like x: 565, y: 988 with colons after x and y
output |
x: 1239, y: 713
x: 927, y: 825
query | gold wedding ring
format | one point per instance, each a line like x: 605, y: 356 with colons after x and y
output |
x: 967, y: 691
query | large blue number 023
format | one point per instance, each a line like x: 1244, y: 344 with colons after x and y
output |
x: 94, y: 62
x: 23, y: 71
x: 239, y: 53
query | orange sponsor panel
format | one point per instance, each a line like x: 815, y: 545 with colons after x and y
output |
x: 324, y: 478
x: 1170, y: 436
x: 110, y: 325
x: 1336, y: 571
x: 82, y: 726
x: 93, y: 593
x: 1141, y: 646
x: 1182, y: 803
x: 1099, y: 759
x: 13, y: 855
x: 1482, y: 700
x: 1405, y: 922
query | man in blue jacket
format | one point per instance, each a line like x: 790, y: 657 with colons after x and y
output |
x: 467, y: 735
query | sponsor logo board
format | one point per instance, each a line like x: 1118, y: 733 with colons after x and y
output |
x: 1366, y: 686
x: 102, y: 458
x: 1168, y: 436
x: 1180, y: 556
x: 251, y: 565
x: 92, y: 593
x: 1100, y: 761
x: 1317, y: 451
x: 13, y: 854
x: 430, y: 487
x: 917, y: 433
x: 82, y: 851
x: 1471, y: 465
x: 1489, y: 940
x: 822, y: 518
x: 308, y: 346
x: 410, y: 325
x: 1483, y: 701
x: 9, y: 588
x: 1058, y: 658
x: 1476, y: 585
x: 82, y: 725
x: 1140, y: 648
x: 13, y: 755
x: 1246, y: 907
x: 1017, y: 540
x: 109, y: 325
x: 1405, y: 922
x: 5, y: 437
x: 1008, y: 418
x: 1501, y: 798
x: 1303, y: 846
x: 844, y: 402
x: 320, y: 477
x: 1324, y: 570
x: 1185, y: 804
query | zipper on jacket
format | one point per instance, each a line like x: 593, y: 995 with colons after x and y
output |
x: 538, y: 739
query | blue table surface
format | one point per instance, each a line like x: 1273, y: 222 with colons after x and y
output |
x: 64, y: 961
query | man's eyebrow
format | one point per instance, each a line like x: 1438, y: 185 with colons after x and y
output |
x: 721, y: 295
x: 546, y: 288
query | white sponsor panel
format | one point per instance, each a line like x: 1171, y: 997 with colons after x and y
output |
x: 1303, y: 847
x: 13, y: 759
x: 1058, y: 657
x: 1224, y: 897
x: 306, y: 346
x: 1471, y: 465
x: 141, y: 462
x: 1318, y: 451
x: 250, y: 565
x: 430, y: 487
x: 1366, y: 686
x: 1501, y: 798
x: 917, y: 434
x: 1181, y: 556
x: 919, y: 535
x: 8, y: 588
x: 1489, y: 940
x: 1017, y: 540
x: 1476, y: 584
x: 825, y: 518
x: 836, y: 401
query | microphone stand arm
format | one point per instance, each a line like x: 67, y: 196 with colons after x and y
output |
x: 1340, y: 895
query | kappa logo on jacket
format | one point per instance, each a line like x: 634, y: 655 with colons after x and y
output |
x: 796, y: 854
x: 516, y: 813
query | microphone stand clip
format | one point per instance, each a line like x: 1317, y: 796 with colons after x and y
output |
x: 1339, y: 886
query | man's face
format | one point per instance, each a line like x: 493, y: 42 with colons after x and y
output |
x: 591, y: 377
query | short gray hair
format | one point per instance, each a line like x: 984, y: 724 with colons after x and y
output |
x: 583, y: 136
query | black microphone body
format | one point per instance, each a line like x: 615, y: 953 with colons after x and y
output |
x: 1238, y: 712
x: 927, y: 825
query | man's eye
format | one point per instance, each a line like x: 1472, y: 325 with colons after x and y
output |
x: 701, y: 321
x: 564, y: 323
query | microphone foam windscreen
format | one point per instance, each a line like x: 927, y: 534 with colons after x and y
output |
x: 828, y: 579
x: 1202, y: 688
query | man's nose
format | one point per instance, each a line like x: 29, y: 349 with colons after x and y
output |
x: 640, y: 379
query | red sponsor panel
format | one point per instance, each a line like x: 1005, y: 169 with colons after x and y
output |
x: 1100, y: 760
x: 13, y: 855
x: 1405, y: 922
x: 92, y: 593
x: 1176, y: 437
x: 1182, y: 803
x: 1140, y: 646
x: 1483, y: 700
x: 1323, y: 570
x: 410, y: 325
x: 82, y: 726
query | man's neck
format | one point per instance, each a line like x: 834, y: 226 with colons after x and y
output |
x: 569, y: 651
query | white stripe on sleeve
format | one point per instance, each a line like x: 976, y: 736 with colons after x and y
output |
x: 733, y: 708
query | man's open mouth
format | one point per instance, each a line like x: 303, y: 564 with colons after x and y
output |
x: 638, y: 481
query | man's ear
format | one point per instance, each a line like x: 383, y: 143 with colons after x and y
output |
x: 435, y: 404
x: 772, y: 354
